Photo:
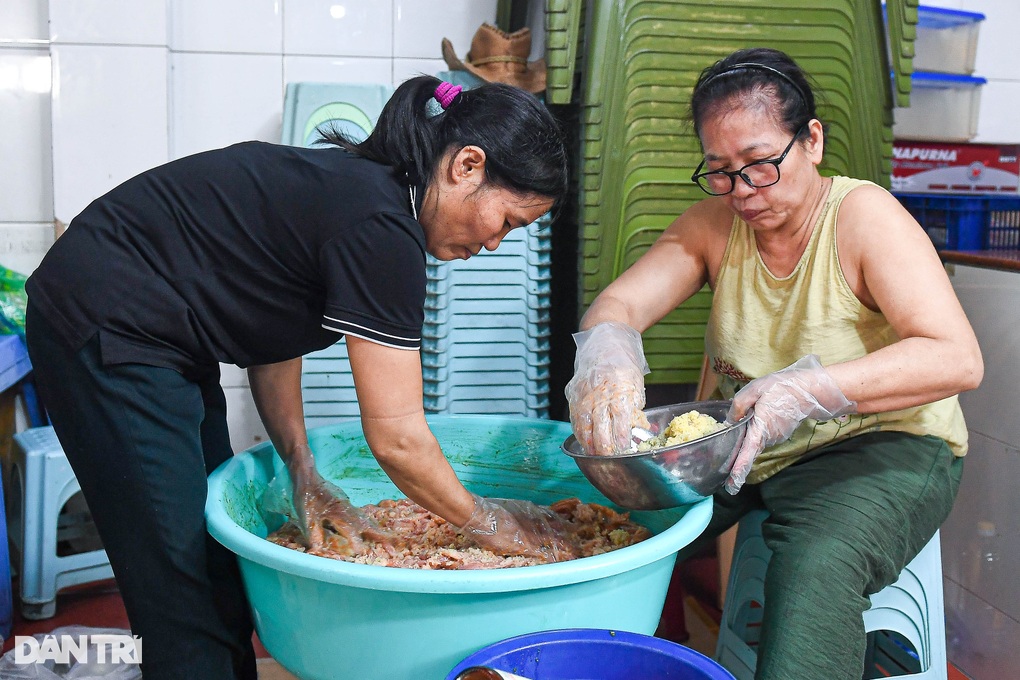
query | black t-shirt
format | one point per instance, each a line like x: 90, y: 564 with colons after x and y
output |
x: 252, y: 254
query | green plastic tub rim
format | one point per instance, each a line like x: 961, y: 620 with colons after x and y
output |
x: 253, y: 547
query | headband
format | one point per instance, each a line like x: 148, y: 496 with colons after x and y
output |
x: 759, y: 67
x: 446, y: 93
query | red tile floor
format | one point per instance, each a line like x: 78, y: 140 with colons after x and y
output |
x: 694, y: 621
x: 97, y: 605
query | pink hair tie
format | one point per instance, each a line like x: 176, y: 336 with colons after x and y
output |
x: 446, y: 93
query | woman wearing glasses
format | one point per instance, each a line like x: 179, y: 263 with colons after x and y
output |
x: 833, y: 318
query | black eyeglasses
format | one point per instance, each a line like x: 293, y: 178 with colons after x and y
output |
x: 757, y: 175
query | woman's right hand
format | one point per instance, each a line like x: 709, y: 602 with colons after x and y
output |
x: 328, y: 518
x: 513, y: 527
x: 607, y: 393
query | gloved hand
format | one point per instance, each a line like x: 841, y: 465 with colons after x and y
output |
x: 781, y: 401
x: 328, y: 519
x: 512, y: 527
x: 607, y: 393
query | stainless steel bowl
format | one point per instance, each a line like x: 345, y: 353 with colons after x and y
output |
x: 670, y: 476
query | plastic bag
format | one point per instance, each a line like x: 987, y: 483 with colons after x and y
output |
x: 13, y: 302
x: 278, y: 500
x: 86, y: 668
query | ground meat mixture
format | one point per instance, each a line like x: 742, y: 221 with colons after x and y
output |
x: 432, y: 543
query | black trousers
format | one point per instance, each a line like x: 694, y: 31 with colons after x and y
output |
x: 142, y: 440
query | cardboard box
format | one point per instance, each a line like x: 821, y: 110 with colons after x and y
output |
x: 955, y: 168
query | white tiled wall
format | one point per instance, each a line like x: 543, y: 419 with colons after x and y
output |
x: 997, y: 58
x: 981, y: 538
x: 998, y: 53
x: 109, y: 119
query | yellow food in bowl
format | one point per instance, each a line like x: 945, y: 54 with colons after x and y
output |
x: 683, y: 428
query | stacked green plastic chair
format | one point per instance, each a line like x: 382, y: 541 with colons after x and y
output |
x: 563, y: 27
x: 640, y: 62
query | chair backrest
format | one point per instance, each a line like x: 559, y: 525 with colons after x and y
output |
x: 352, y: 108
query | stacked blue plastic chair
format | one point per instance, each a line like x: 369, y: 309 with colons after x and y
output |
x: 485, y: 343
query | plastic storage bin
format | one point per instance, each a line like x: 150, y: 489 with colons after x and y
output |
x: 943, y: 107
x: 946, y: 40
x: 967, y: 222
x: 593, y: 653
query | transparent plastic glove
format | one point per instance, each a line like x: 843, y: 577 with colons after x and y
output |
x: 512, y: 527
x: 329, y: 520
x: 607, y: 393
x: 781, y: 401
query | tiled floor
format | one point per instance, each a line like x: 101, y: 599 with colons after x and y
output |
x: 99, y: 605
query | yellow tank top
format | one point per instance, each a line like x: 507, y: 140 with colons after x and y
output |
x: 760, y: 323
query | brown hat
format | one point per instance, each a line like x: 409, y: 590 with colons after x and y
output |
x: 500, y: 57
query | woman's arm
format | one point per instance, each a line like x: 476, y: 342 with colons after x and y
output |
x: 276, y: 389
x: 606, y: 395
x: 674, y: 268
x: 891, y: 265
x: 389, y: 387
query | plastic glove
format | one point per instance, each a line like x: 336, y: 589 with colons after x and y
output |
x: 512, y: 527
x: 329, y: 520
x: 607, y: 393
x: 781, y: 401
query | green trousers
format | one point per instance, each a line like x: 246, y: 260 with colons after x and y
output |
x: 842, y: 525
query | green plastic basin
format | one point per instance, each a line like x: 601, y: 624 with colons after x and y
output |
x: 323, y: 618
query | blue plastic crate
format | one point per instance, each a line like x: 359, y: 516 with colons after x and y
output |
x: 14, y: 362
x: 955, y: 222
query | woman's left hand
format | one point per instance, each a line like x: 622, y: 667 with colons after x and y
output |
x: 514, y: 527
x: 781, y: 401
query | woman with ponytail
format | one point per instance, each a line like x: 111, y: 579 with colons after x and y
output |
x: 255, y: 255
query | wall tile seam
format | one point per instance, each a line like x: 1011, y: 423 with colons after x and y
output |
x: 66, y: 43
x: 1010, y: 446
x: 980, y: 599
x: 18, y: 44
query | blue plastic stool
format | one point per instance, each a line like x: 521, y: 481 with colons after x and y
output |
x: 912, y: 606
x: 42, y: 482
x: 6, y: 598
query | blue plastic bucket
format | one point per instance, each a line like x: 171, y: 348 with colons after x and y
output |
x: 594, y: 654
x: 6, y: 595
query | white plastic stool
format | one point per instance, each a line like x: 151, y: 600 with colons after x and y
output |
x: 41, y: 483
x: 912, y: 606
